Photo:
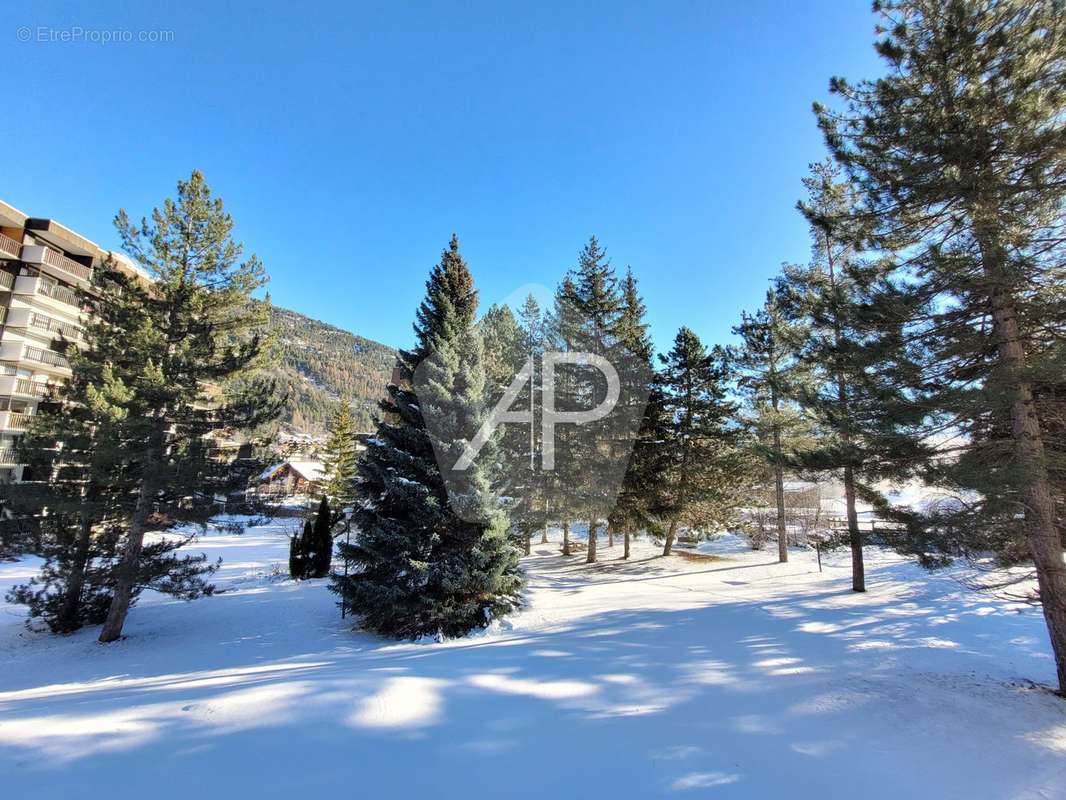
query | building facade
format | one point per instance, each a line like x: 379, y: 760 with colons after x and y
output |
x: 43, y: 266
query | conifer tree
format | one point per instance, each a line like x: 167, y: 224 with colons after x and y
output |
x: 193, y: 330
x: 320, y: 541
x: 299, y: 552
x: 87, y: 445
x: 340, y: 458
x: 639, y: 499
x: 960, y: 150
x: 559, y: 326
x: 533, y: 512
x: 702, y: 465
x: 504, y: 345
x: 766, y: 365
x: 432, y: 553
x: 856, y: 398
x: 588, y: 314
x: 508, y: 347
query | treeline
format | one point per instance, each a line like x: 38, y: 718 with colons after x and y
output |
x: 923, y: 339
x: 320, y: 365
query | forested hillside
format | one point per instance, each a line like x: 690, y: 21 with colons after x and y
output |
x: 321, y: 364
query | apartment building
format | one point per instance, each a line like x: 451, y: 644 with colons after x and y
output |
x: 42, y: 266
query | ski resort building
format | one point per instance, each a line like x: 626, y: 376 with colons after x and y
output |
x: 43, y: 265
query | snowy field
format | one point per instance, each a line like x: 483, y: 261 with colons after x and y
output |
x: 727, y: 677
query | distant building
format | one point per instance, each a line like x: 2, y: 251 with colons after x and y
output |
x: 291, y: 478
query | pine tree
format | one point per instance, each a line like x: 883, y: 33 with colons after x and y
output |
x: 432, y: 554
x: 855, y: 397
x: 85, y: 446
x: 702, y: 465
x: 193, y: 330
x: 340, y: 458
x: 767, y: 366
x: 961, y: 152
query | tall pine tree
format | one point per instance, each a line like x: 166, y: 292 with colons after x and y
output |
x: 193, y: 330
x: 83, y: 447
x: 767, y: 369
x: 960, y: 150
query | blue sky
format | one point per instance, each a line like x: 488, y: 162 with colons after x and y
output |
x: 351, y: 140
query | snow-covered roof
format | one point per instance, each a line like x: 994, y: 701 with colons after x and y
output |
x: 270, y: 471
x: 312, y: 471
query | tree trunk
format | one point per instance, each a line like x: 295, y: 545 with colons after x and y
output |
x: 779, y: 480
x: 566, y: 538
x: 1045, y: 542
x: 529, y: 542
x: 858, y: 569
x: 626, y: 544
x: 70, y: 614
x: 591, y: 557
x: 131, y: 554
x: 127, y: 568
x: 544, y: 533
x: 669, y: 546
x: 610, y: 535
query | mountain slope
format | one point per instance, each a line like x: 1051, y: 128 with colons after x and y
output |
x: 322, y: 364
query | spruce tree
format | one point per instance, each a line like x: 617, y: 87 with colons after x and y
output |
x: 767, y: 368
x: 701, y: 462
x: 639, y: 499
x: 517, y: 477
x: 340, y: 458
x: 532, y: 512
x: 432, y: 553
x: 504, y: 344
x: 193, y: 330
x: 960, y: 150
x: 588, y: 314
x: 561, y: 501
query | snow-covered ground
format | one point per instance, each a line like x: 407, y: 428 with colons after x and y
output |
x: 731, y: 676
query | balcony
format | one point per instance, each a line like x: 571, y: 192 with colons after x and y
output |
x: 37, y: 357
x: 14, y: 420
x: 7, y: 280
x: 67, y: 267
x: 47, y: 358
x: 9, y: 247
x: 41, y: 325
x: 17, y: 386
x: 28, y: 284
x: 8, y: 456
